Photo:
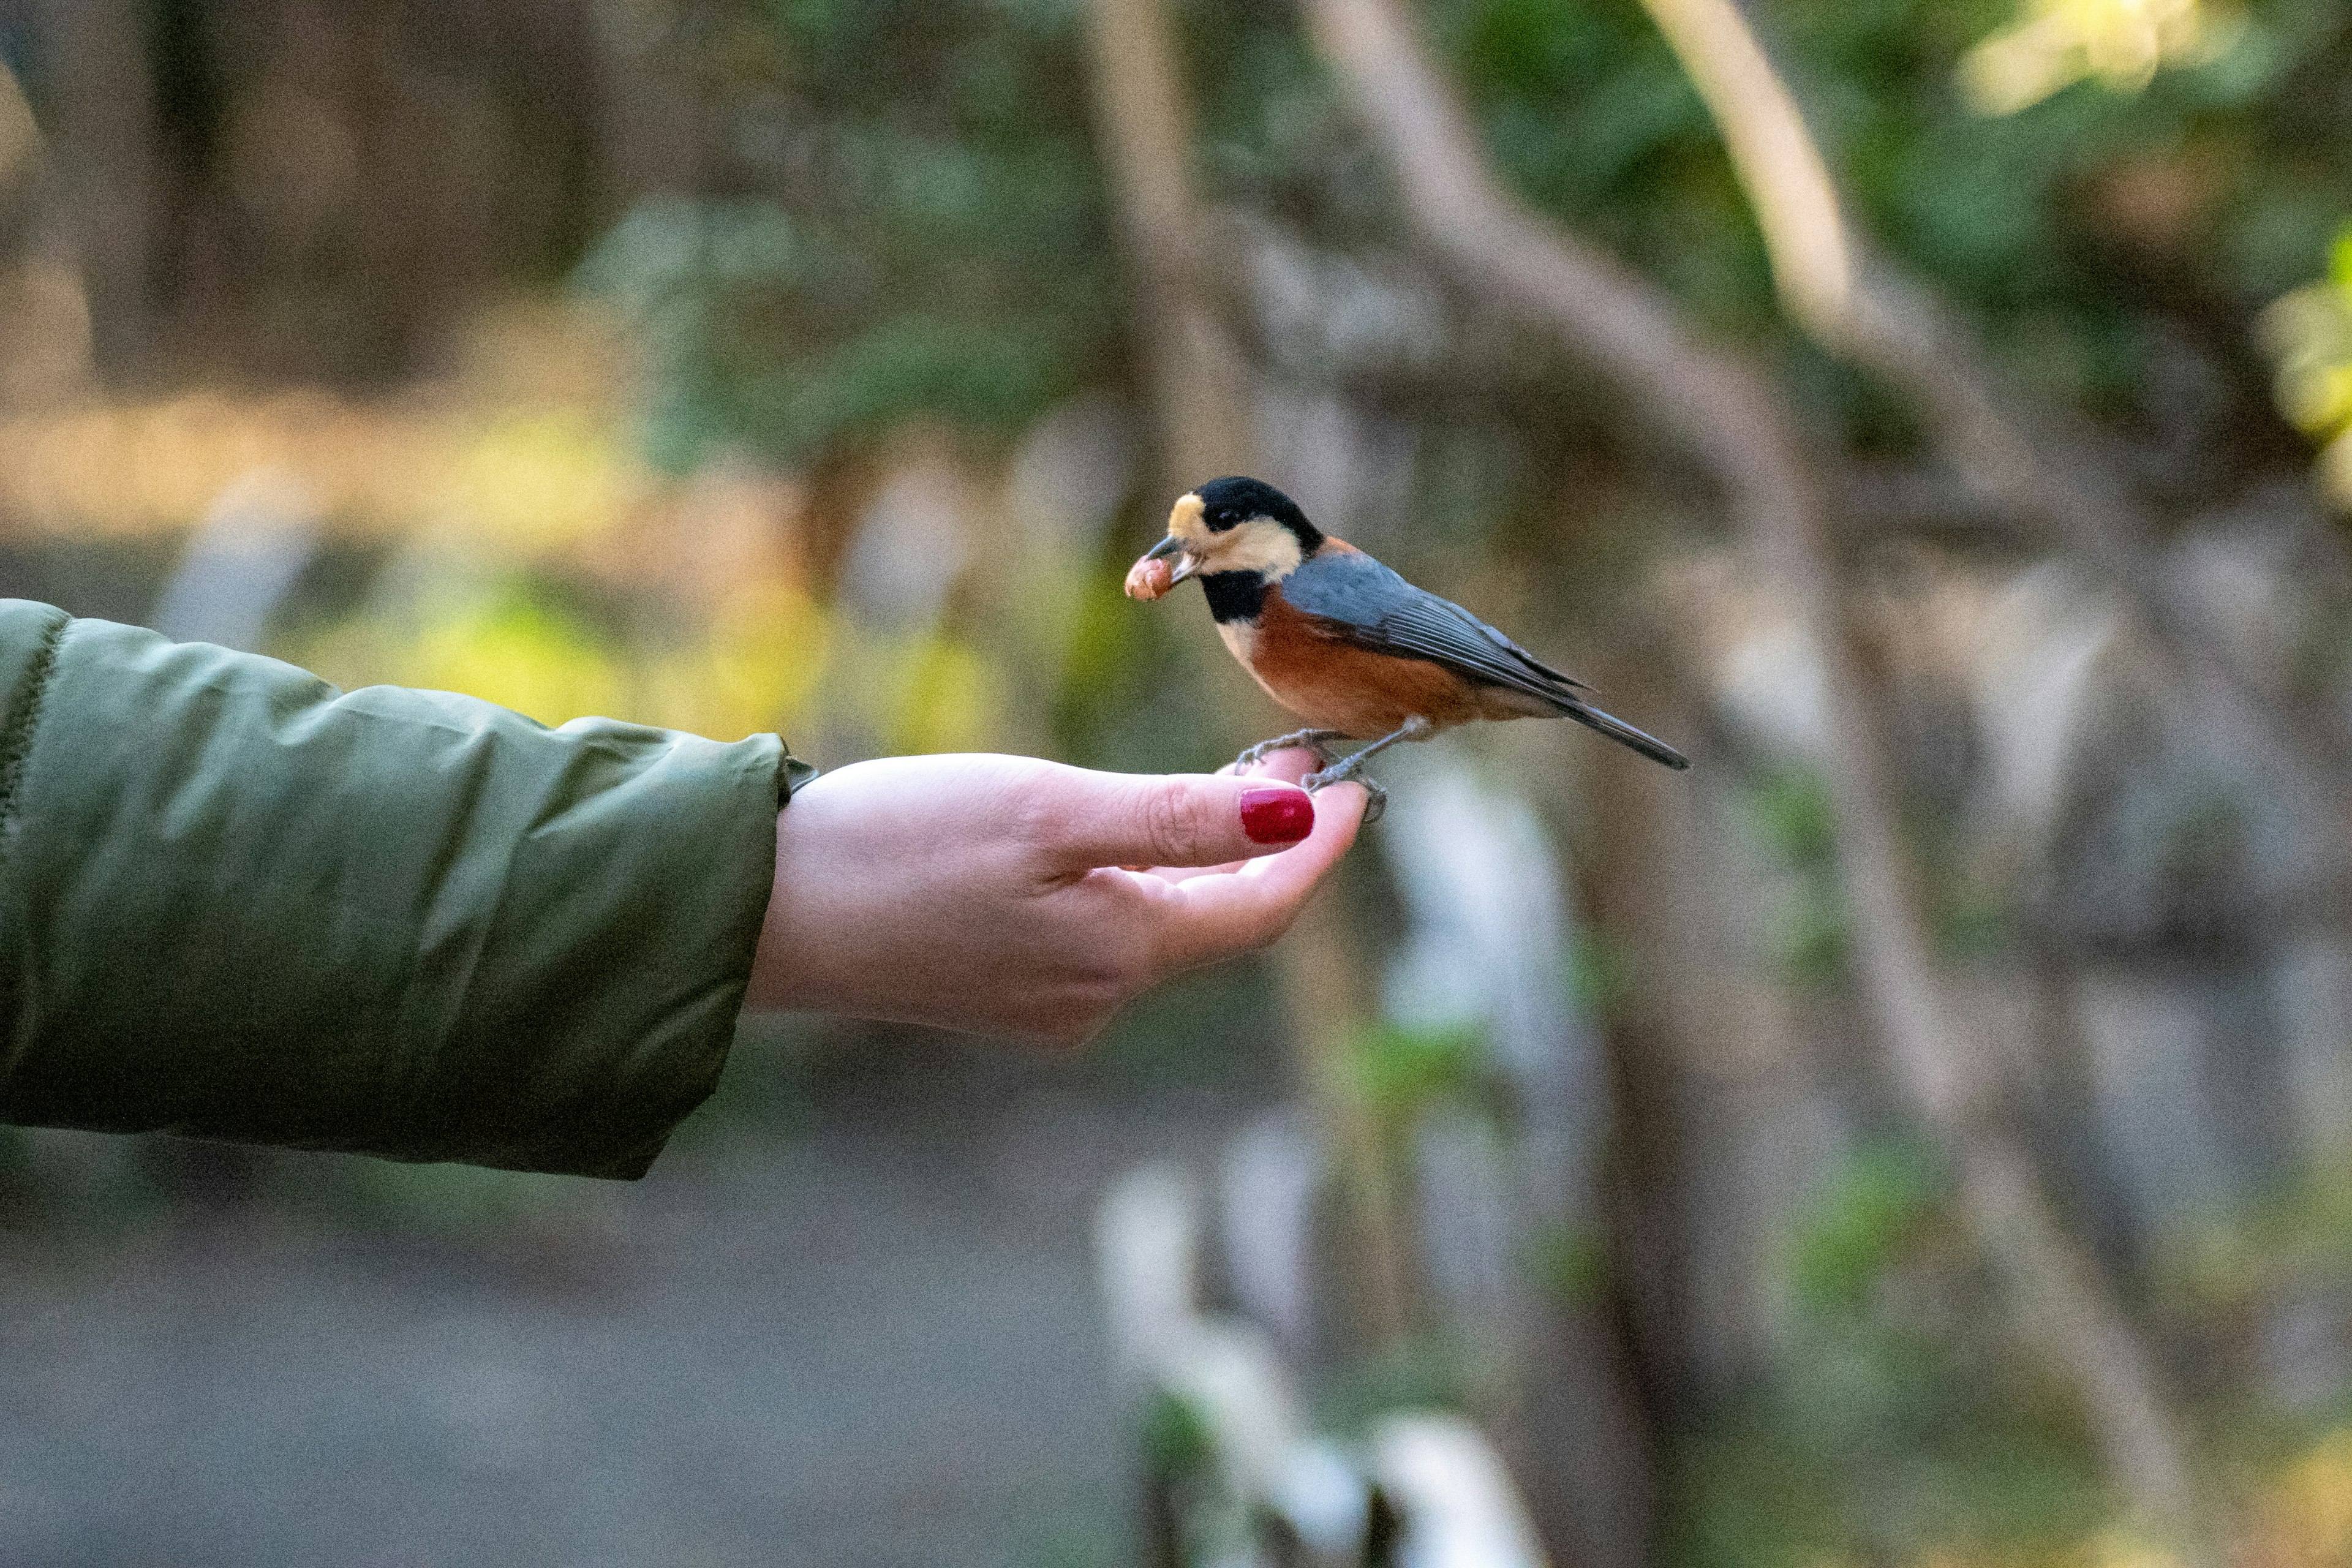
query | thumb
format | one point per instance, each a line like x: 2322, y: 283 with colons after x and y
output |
x: 1178, y: 819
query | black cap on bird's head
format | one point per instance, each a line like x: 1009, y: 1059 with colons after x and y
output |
x: 1230, y: 524
x: 1234, y: 499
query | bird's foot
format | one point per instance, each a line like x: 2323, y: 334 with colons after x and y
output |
x: 1316, y: 741
x: 1376, y: 799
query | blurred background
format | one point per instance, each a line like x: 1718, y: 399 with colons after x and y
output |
x: 1920, y: 1135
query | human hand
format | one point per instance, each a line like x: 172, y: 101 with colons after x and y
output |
x: 1001, y: 894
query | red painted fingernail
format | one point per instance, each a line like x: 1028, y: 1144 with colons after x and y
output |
x: 1277, y: 815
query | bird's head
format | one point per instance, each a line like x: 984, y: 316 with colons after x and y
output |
x: 1231, y: 524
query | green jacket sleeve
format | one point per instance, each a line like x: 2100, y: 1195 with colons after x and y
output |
x: 235, y: 903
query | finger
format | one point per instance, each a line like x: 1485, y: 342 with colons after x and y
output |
x: 1208, y: 918
x: 1289, y: 766
x: 1169, y: 819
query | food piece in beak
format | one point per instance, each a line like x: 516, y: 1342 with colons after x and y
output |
x: 1147, y: 579
x: 1162, y: 567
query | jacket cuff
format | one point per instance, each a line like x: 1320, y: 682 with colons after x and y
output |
x: 793, y: 774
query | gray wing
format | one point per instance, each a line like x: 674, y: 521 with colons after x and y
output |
x: 1373, y: 607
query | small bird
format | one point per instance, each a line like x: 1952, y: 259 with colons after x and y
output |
x: 1344, y: 642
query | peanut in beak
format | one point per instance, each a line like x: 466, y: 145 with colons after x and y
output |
x: 1163, y: 566
x: 1150, y: 577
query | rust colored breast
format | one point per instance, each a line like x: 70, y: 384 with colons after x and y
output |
x: 1333, y: 684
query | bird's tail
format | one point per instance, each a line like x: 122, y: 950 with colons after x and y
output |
x: 1622, y: 733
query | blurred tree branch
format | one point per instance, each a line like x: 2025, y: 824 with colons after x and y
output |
x: 1861, y: 307
x: 1199, y: 387
x: 1723, y: 408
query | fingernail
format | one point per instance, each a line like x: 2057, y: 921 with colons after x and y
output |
x: 1277, y: 815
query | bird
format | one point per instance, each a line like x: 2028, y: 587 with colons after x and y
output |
x: 1344, y: 642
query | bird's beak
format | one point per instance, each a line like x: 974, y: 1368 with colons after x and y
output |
x: 1172, y: 545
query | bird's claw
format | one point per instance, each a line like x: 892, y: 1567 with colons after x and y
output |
x: 1376, y: 799
x: 1320, y: 742
x: 1314, y: 741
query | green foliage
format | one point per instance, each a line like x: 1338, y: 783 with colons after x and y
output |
x: 2298, y: 1234
x: 1792, y: 813
x: 1601, y: 974
x: 1211, y: 1027
x: 1754, y: 1502
x: 1795, y: 819
x: 1994, y: 206
x: 1400, y: 1072
x: 1174, y: 1438
x: 1428, y: 1371
x: 1585, y: 109
x: 1816, y: 935
x: 2308, y: 334
x: 921, y: 235
x: 2069, y: 230
x: 1876, y: 1204
x: 916, y: 223
x: 1969, y: 926
x: 1901, y: 1421
x: 1975, y: 1477
x: 1571, y: 1265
